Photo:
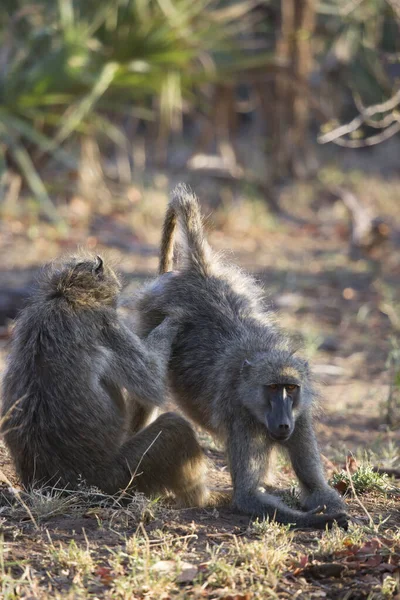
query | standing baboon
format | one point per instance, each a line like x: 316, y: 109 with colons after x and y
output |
x: 65, y: 413
x: 233, y: 371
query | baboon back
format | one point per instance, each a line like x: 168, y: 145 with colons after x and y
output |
x: 56, y: 414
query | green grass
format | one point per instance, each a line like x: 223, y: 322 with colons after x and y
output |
x: 364, y: 480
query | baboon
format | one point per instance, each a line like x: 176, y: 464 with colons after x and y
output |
x: 235, y: 373
x: 79, y: 387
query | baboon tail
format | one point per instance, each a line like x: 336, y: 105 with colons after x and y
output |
x: 184, y: 210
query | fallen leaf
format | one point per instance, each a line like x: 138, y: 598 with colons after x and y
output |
x: 347, y: 542
x: 351, y: 464
x: 105, y: 575
x: 299, y: 565
x: 370, y: 547
x: 341, y: 486
x: 372, y: 561
x: 303, y: 560
x: 386, y: 541
x: 389, y: 568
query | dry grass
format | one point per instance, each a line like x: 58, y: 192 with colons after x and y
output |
x: 130, y: 552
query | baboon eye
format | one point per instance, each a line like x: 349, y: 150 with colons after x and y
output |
x: 273, y: 386
x: 290, y: 387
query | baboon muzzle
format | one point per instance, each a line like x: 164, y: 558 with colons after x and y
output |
x: 280, y: 422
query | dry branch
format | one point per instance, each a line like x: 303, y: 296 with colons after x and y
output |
x: 390, y: 124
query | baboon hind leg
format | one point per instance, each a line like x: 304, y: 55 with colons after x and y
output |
x: 163, y: 457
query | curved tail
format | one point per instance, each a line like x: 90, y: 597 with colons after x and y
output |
x: 184, y: 211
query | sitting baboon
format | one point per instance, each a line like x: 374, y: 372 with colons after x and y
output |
x: 234, y: 372
x: 79, y: 386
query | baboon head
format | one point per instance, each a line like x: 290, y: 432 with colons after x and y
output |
x: 275, y: 389
x: 86, y: 282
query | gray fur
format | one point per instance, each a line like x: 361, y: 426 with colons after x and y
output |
x: 229, y: 349
x: 79, y: 387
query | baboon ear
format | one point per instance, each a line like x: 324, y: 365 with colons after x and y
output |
x: 246, y: 368
x: 98, y: 266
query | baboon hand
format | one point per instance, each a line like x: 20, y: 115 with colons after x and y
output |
x: 323, y: 520
x: 327, y: 500
x: 316, y: 510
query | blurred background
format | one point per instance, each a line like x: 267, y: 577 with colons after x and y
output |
x: 283, y: 115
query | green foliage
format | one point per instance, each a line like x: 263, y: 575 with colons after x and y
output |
x: 364, y: 480
x: 70, y: 68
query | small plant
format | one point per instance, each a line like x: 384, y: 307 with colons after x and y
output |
x: 270, y: 529
x: 336, y: 539
x: 364, y: 479
x: 291, y: 496
x: 72, y: 557
x: 46, y: 503
x: 389, y: 587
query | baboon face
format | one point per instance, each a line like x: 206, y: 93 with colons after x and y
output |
x: 272, y: 392
x: 88, y: 282
x: 280, y: 400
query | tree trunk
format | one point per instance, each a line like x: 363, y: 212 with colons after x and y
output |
x: 293, y: 154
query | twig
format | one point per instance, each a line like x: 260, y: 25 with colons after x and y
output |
x: 357, y: 122
x: 369, y: 141
x: 375, y: 123
x: 133, y: 475
x: 371, y: 522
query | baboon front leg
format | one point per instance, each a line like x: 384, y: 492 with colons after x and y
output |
x: 163, y: 457
x: 306, y: 460
x: 249, y: 453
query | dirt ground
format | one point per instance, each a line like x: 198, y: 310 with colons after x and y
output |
x: 347, y: 315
